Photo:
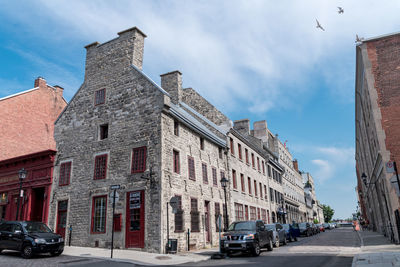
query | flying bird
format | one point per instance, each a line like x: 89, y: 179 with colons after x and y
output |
x: 341, y: 10
x: 358, y: 39
x: 319, y: 25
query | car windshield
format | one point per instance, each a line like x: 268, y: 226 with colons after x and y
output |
x: 285, y: 226
x: 270, y: 226
x: 302, y: 224
x: 36, y: 227
x: 242, y: 226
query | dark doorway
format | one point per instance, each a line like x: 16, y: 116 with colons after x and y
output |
x: 37, y: 204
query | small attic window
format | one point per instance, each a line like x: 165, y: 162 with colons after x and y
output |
x: 100, y: 97
x: 103, y: 134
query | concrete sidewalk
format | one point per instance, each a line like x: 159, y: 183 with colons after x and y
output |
x: 140, y: 257
x: 376, y: 250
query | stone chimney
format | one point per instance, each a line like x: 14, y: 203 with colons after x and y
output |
x: 296, y: 165
x: 260, y: 130
x: 40, y: 82
x: 172, y: 83
x: 242, y: 126
x: 118, y: 54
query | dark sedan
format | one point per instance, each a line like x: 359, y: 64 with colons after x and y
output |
x: 30, y: 238
x: 305, y: 229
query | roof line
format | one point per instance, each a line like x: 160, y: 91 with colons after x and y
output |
x: 187, y: 119
x: 216, y: 127
x: 150, y: 80
x: 20, y: 93
x: 380, y: 37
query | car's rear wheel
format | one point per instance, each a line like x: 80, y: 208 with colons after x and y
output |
x: 27, y: 251
x: 1, y: 250
x: 270, y: 246
x: 256, y: 250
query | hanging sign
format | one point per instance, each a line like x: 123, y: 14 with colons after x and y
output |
x: 135, y: 200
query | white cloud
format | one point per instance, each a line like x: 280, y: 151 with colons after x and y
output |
x: 256, y: 52
x: 325, y: 169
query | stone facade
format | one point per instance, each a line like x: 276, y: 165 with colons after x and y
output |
x: 160, y: 144
x: 292, y: 184
x: 377, y: 130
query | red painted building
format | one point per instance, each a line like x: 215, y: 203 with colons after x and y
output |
x: 26, y: 130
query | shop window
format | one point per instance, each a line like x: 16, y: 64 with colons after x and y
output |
x: 194, y: 216
x: 179, y: 222
x: 99, y: 212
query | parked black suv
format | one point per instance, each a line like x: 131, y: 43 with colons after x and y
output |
x: 30, y: 238
x: 247, y: 236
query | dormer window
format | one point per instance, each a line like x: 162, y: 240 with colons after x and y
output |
x: 100, y: 97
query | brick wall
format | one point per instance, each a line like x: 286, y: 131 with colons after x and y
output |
x: 27, y: 120
x: 384, y: 55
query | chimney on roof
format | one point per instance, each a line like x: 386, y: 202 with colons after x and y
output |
x: 118, y: 54
x: 296, y: 165
x: 242, y: 126
x: 172, y: 83
x: 40, y: 82
x: 260, y: 130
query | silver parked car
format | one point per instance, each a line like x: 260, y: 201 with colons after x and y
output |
x: 279, y: 233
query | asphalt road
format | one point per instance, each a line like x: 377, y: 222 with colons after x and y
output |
x: 332, y: 248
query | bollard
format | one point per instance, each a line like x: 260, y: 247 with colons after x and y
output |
x: 70, y: 235
x: 188, y: 239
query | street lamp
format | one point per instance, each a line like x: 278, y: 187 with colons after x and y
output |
x: 224, y: 183
x: 22, y: 176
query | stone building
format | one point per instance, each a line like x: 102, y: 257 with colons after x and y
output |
x: 310, y: 197
x: 262, y: 144
x: 249, y: 180
x: 26, y: 130
x: 156, y: 142
x: 377, y: 103
x: 292, y: 184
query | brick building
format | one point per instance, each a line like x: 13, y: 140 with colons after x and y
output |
x: 377, y: 93
x: 26, y: 130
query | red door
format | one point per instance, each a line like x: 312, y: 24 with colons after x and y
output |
x: 134, y: 232
x: 62, y: 217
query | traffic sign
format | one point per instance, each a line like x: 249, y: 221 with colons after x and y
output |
x: 115, y: 186
x: 390, y: 167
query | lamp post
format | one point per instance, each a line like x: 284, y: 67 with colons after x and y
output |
x: 22, y: 175
x: 224, y: 183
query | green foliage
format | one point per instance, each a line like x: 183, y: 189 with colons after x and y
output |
x: 316, y: 221
x: 328, y: 212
